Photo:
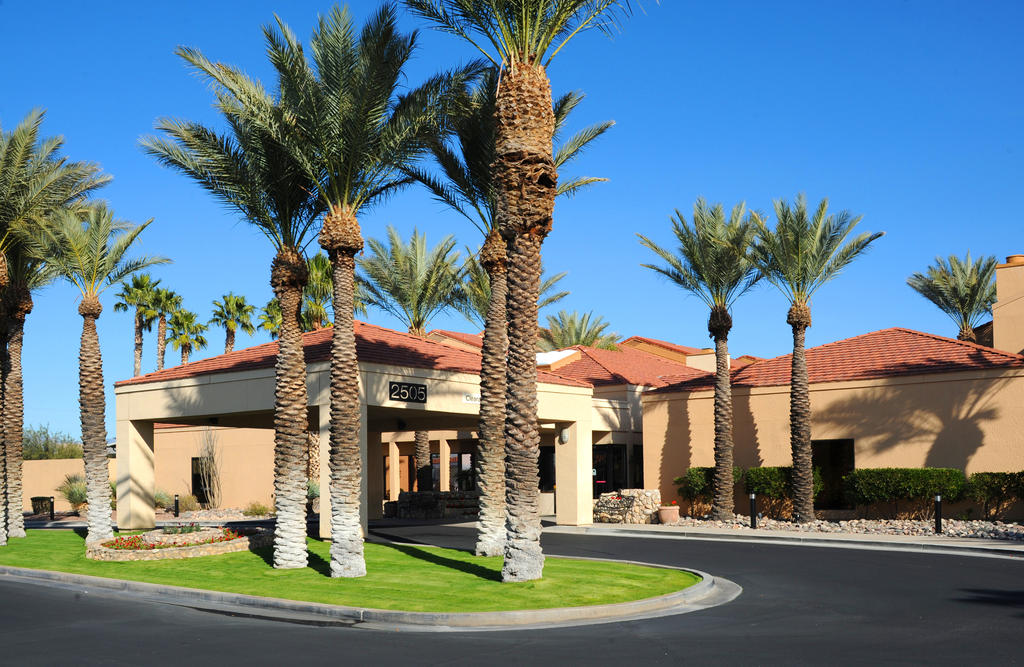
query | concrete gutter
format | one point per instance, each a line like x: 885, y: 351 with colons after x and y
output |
x: 914, y: 543
x: 710, y: 591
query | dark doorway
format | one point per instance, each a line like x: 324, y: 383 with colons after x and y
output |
x: 833, y: 459
x: 547, y: 469
x: 609, y: 468
x: 199, y: 488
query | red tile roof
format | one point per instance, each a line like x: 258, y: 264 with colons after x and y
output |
x: 624, y: 366
x: 682, y: 349
x: 880, y: 354
x: 743, y: 360
x: 477, y: 340
x: 374, y: 344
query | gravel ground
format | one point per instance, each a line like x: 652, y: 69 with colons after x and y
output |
x: 993, y: 530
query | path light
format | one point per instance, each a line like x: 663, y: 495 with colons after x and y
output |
x: 753, y: 510
x: 938, y: 514
x: 175, y: 505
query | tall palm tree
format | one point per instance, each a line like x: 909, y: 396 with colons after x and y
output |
x: 139, y: 295
x: 521, y: 37
x: 165, y: 303
x: 248, y: 169
x: 713, y: 263
x: 26, y: 274
x: 90, y: 251
x: 345, y: 120
x: 467, y: 187
x: 802, y: 253
x: 567, y: 329
x: 233, y: 313
x: 964, y: 289
x: 187, y: 333
x: 413, y: 283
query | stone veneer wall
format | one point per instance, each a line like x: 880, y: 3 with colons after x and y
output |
x: 434, y: 505
x: 628, y: 506
x: 96, y: 551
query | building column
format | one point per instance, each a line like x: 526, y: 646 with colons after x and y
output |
x: 324, y: 411
x: 375, y: 476
x: 136, y: 479
x: 394, y: 471
x: 574, y: 505
x: 444, y: 454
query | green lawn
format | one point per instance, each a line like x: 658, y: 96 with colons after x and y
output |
x: 400, y: 577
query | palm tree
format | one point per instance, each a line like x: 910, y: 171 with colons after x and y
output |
x: 963, y: 289
x: 250, y: 171
x: 165, y: 303
x: 232, y: 313
x: 346, y: 123
x: 187, y: 333
x: 270, y: 318
x: 26, y: 275
x: 476, y: 288
x: 468, y: 188
x: 523, y: 36
x: 568, y: 329
x: 139, y: 295
x: 90, y: 251
x: 713, y: 263
x: 317, y: 304
x: 802, y: 253
x: 413, y: 284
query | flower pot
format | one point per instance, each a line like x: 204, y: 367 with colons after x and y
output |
x: 668, y: 514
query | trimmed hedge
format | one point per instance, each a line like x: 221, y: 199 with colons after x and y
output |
x: 995, y: 491
x: 698, y: 484
x: 880, y: 485
x: 776, y: 482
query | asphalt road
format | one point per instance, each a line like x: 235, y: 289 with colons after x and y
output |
x: 800, y: 605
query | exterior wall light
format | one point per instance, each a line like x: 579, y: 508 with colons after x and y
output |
x: 563, y: 436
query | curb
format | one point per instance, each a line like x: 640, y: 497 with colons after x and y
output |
x: 710, y: 591
x: 799, y: 540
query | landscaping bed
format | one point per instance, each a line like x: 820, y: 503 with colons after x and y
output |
x: 993, y: 530
x: 186, y: 541
x: 400, y: 577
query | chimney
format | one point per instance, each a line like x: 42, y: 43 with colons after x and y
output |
x: 1008, y: 311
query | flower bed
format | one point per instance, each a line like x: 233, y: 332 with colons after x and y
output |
x: 159, y: 545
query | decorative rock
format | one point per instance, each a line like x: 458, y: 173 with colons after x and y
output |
x: 628, y: 506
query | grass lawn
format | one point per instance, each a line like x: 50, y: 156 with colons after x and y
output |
x: 400, y: 577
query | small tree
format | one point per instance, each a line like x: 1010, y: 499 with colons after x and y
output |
x: 209, y: 467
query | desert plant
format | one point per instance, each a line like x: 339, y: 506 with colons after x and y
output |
x: 73, y: 490
x: 256, y: 508
x: 182, y: 528
x: 162, y: 499
x: 187, y: 503
x: 312, y: 490
x: 113, y: 495
x: 209, y: 467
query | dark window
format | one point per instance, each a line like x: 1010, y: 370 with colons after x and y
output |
x: 636, y: 466
x: 833, y: 460
x: 609, y: 468
x: 199, y: 488
x: 547, y: 469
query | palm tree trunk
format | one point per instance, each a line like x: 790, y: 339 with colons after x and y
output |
x: 288, y: 277
x: 138, y: 341
x: 490, y: 455
x: 800, y: 418
x: 3, y: 445
x: 967, y: 334
x: 14, y: 415
x: 424, y: 473
x: 341, y: 238
x: 92, y: 404
x: 184, y: 354
x: 526, y: 179
x: 229, y: 341
x: 161, y: 341
x: 719, y: 324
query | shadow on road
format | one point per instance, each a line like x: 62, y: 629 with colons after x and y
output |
x: 996, y: 598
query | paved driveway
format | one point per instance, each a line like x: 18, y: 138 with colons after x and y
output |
x: 800, y: 605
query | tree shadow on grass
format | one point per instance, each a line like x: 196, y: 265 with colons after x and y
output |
x: 451, y: 563
x: 316, y: 562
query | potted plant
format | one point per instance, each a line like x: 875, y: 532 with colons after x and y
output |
x: 669, y: 513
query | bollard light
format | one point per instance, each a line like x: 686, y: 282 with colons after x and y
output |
x: 938, y: 514
x: 175, y: 505
x: 753, y: 510
x: 51, y: 508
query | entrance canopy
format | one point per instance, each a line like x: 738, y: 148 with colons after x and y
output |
x: 406, y: 383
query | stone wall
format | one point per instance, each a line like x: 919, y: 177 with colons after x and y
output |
x: 464, y: 505
x: 628, y: 506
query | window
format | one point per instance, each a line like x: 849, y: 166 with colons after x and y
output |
x: 833, y: 459
x: 199, y: 488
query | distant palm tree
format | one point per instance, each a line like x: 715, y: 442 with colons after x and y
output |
x: 713, y: 263
x: 476, y: 288
x: 521, y: 37
x: 165, y: 303
x: 139, y: 295
x: 467, y: 186
x: 802, y: 253
x: 90, y: 252
x: 413, y: 283
x: 316, y: 308
x: 187, y: 333
x: 250, y: 170
x: 964, y: 289
x: 567, y: 329
x: 270, y: 318
x: 233, y: 313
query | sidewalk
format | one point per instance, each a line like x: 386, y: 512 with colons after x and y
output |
x: 931, y: 544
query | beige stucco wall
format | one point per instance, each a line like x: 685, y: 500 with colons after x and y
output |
x: 973, y: 421
x: 41, y: 478
x: 1008, y: 311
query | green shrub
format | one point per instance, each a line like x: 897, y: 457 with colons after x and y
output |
x: 39, y: 442
x: 74, y: 491
x: 182, y: 528
x: 187, y: 503
x: 776, y: 482
x: 163, y: 500
x: 312, y: 490
x: 113, y: 495
x: 697, y: 485
x: 996, y: 491
x: 894, y: 485
x: 40, y: 504
x: 256, y: 508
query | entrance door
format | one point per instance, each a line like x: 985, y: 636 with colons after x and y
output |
x: 609, y: 468
x: 833, y: 459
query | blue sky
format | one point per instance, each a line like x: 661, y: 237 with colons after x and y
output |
x: 908, y: 113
